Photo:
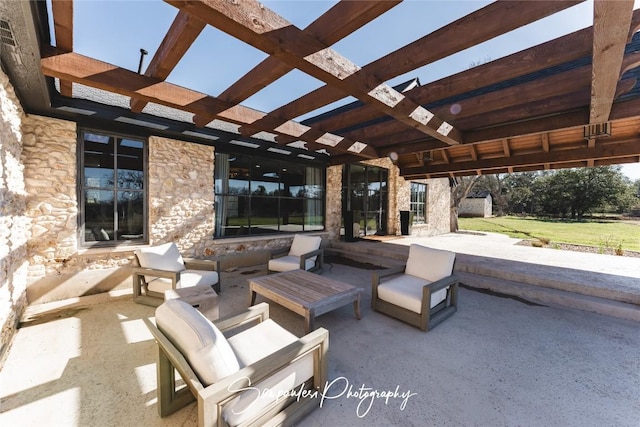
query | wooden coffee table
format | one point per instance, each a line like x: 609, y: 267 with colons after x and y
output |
x: 305, y: 293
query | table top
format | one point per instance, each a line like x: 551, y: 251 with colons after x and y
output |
x: 302, y: 288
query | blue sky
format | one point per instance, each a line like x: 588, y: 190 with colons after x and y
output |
x: 215, y: 61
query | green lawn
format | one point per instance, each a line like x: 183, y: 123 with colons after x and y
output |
x: 601, y: 234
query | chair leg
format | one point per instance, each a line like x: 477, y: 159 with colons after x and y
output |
x: 170, y: 399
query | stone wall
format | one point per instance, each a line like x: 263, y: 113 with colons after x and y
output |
x: 14, y: 223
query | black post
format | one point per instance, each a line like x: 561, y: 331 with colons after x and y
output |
x: 348, y: 227
x: 404, y: 223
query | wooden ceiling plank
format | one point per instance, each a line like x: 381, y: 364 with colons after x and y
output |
x: 263, y: 29
x: 91, y: 72
x: 612, y: 20
x: 613, y: 149
x: 484, y: 24
x: 62, y: 11
x: 338, y: 22
x: 183, y: 32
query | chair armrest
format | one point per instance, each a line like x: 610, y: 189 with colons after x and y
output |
x: 376, y: 275
x: 141, y: 271
x: 277, y: 253
x: 202, y: 264
x: 258, y: 312
x: 442, y: 283
x: 213, y: 398
x: 304, y: 257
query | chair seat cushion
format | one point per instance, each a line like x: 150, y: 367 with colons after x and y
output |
x: 188, y: 278
x: 252, y: 345
x: 288, y: 263
x: 406, y: 291
x: 200, y: 341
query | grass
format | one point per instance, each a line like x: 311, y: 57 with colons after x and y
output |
x: 598, y: 233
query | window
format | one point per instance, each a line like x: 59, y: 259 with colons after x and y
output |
x: 112, y: 189
x: 261, y: 196
x: 419, y: 202
x: 365, y: 194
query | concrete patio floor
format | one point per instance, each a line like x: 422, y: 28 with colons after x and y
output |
x: 497, y: 362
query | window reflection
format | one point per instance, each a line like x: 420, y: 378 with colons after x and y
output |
x: 113, y: 189
x: 277, y: 196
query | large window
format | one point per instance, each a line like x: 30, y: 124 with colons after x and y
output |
x: 112, y: 189
x: 419, y: 202
x: 261, y: 196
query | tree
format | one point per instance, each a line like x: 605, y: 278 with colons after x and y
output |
x: 576, y: 192
x: 460, y: 189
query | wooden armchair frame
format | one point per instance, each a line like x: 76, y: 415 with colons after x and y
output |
x: 211, y: 399
x: 143, y: 295
x: 429, y: 317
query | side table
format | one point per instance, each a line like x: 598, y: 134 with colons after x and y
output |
x: 201, y: 297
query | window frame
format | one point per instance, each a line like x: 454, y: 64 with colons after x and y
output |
x: 81, y: 187
x: 413, y: 204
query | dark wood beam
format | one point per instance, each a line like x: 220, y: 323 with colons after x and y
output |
x: 612, y: 20
x: 485, y: 109
x: 540, y: 125
x: 63, y: 29
x: 555, y: 52
x: 609, y: 150
x: 338, y: 22
x: 91, y: 72
x: 484, y: 24
x: 263, y: 29
x: 183, y: 32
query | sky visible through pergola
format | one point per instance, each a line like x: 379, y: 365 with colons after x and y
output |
x: 115, y: 31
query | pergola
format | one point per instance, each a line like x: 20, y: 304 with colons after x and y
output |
x: 570, y: 102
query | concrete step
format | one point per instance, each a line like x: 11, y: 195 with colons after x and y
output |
x: 549, y: 296
x: 364, y: 257
x: 589, y: 283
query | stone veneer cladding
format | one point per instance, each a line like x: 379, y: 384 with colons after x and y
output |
x: 14, y: 223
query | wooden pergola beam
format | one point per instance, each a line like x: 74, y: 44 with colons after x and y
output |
x: 338, y: 22
x: 183, y: 32
x: 91, y: 72
x: 610, y: 150
x: 63, y: 29
x: 522, y: 96
x: 484, y: 24
x: 558, y: 51
x: 258, y: 26
x: 612, y: 20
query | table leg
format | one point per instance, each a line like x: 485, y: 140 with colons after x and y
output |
x: 253, y: 298
x: 308, y: 321
x: 356, y: 306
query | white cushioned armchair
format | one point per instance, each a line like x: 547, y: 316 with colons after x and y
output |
x: 163, y: 268
x: 423, y: 293
x: 305, y: 253
x: 224, y: 373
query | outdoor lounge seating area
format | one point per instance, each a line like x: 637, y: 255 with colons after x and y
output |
x: 96, y: 365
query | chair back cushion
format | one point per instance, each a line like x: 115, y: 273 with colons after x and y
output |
x: 428, y: 263
x: 200, y: 341
x: 302, y: 244
x: 161, y: 257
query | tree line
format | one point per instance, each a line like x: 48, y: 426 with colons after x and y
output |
x: 564, y: 193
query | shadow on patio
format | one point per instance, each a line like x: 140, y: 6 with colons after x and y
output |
x: 497, y: 361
